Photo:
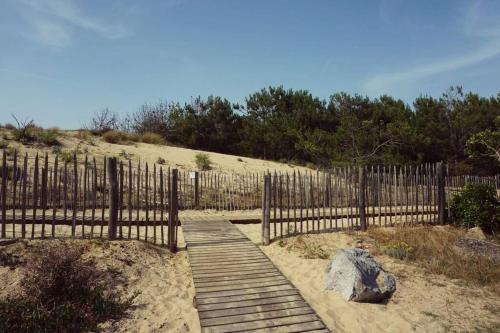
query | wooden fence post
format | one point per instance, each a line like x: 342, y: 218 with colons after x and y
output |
x: 4, y: 193
x: 196, y: 190
x: 113, y: 198
x: 441, y: 197
x: 266, y: 209
x: 361, y: 200
x: 172, y: 213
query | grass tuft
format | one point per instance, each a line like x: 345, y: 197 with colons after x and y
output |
x: 433, y: 248
x: 202, y: 161
x: 152, y: 138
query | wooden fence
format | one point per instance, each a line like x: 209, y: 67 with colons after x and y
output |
x: 355, y: 197
x: 220, y: 191
x: 48, y: 198
x: 45, y: 197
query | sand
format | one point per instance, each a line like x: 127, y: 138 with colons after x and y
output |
x: 165, y: 302
x: 423, y: 302
x: 175, y: 157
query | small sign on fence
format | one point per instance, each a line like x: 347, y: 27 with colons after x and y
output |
x: 192, y: 174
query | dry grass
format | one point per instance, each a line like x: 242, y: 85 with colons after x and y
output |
x: 307, y: 247
x: 152, y: 138
x: 120, y: 137
x: 61, y: 292
x: 433, y: 248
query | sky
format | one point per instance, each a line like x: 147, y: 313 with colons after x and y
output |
x: 63, y: 60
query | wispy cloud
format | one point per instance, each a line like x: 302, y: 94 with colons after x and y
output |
x: 50, y: 33
x: 476, y: 24
x: 52, y: 21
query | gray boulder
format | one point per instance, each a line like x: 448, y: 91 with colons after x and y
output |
x: 355, y: 275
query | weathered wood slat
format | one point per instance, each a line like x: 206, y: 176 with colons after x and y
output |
x: 237, y: 287
x: 254, y: 303
x: 267, y: 323
x: 250, y: 309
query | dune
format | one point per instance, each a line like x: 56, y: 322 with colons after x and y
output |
x: 175, y: 157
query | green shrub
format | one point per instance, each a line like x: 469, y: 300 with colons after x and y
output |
x: 399, y: 250
x: 25, y: 134
x: 67, y: 156
x: 203, y: 161
x: 3, y: 144
x: 61, y: 293
x: 48, y: 137
x: 476, y: 206
x: 153, y: 138
x: 315, y: 251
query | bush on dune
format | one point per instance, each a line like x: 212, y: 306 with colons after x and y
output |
x: 119, y: 137
x: 152, y: 138
x: 476, y: 206
x: 48, y: 137
x: 202, y: 161
x: 61, y: 293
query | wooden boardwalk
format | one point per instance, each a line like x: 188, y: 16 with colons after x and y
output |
x: 238, y: 289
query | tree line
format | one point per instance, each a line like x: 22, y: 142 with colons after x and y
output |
x: 460, y: 128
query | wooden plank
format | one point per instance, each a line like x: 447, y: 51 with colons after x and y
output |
x: 237, y: 287
x: 243, y: 287
x: 14, y: 184
x: 113, y: 198
x: 246, y: 297
x: 250, y: 309
x: 94, y: 196
x: 255, y: 303
x: 281, y: 321
x: 54, y: 197
x: 4, y: 193
x: 243, y: 279
x: 24, y: 198
x: 75, y: 195
x: 310, y: 327
x: 259, y: 316
x: 45, y: 171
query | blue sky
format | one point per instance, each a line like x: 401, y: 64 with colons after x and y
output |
x: 62, y: 60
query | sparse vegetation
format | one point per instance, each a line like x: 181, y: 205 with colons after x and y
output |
x: 399, y: 250
x: 433, y: 248
x: 476, y: 206
x: 103, y: 121
x: 306, y: 248
x: 202, y: 161
x: 67, y: 155
x: 48, y: 137
x: 86, y: 136
x: 61, y: 292
x: 24, y: 132
x: 117, y: 137
x: 160, y: 161
x: 3, y: 144
x: 152, y: 138
x: 126, y: 155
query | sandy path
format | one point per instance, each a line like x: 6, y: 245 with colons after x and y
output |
x: 422, y: 302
